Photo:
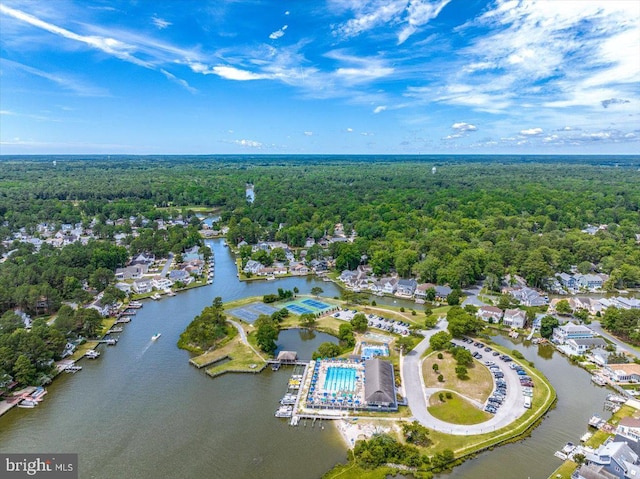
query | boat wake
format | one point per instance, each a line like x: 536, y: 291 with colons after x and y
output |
x: 145, y: 350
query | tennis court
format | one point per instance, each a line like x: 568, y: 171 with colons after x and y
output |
x: 297, y: 309
x: 307, y: 305
x: 250, y: 312
x: 315, y: 304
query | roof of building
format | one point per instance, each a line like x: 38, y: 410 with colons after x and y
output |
x: 379, y: 386
x: 593, y: 471
x: 287, y: 356
x: 589, y: 341
x: 515, y: 312
x: 629, y: 422
x: 631, y: 368
x: 489, y: 309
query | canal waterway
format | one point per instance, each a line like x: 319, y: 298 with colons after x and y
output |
x: 141, y: 411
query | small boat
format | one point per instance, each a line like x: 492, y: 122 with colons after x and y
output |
x: 155, y: 336
x: 284, y: 411
x: 28, y: 403
x: 72, y: 369
x: 155, y: 296
x: 270, y: 277
x: 91, y: 354
x: 275, y: 366
x: 112, y: 342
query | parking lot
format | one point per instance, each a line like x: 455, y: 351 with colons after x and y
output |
x: 510, y: 382
x: 375, y: 321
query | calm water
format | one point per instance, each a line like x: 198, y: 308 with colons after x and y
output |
x: 141, y: 411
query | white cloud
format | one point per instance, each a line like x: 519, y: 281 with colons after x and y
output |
x: 531, y: 132
x: 232, y: 73
x: 379, y: 109
x: 179, y: 81
x: 160, y: 23
x: 308, y: 133
x: 462, y: 126
x: 452, y: 136
x: 287, y: 12
x: 278, y: 33
x: 72, y: 84
x: 420, y: 12
x: 248, y: 143
x: 108, y: 45
x: 349, y: 130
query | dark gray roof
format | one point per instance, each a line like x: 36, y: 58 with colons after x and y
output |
x: 379, y: 387
x: 593, y: 471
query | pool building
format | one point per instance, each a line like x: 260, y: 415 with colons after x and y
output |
x: 352, y: 385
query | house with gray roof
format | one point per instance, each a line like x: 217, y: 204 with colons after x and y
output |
x: 406, y: 287
x: 616, y: 458
x: 515, y: 318
x: 568, y: 331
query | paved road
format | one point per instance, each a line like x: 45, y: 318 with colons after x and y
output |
x: 597, y: 327
x: 417, y: 395
x: 167, y: 265
x: 472, y: 295
x: 243, y: 337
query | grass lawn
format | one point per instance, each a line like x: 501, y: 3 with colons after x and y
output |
x: 83, y: 348
x: 456, y: 410
x: 353, y: 471
x: 478, y: 386
x: 241, y: 358
x: 564, y: 471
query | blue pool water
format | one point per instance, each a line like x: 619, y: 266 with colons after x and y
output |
x: 340, y: 379
x: 369, y: 352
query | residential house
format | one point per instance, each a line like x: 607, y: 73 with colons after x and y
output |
x: 629, y: 427
x: 421, y: 290
x: 142, y: 285
x: 624, y: 373
x: 442, y: 292
x: 568, y: 331
x: 616, y: 458
x: 515, y: 318
x: 161, y: 283
x: 143, y: 258
x: 132, y: 272
x: 319, y: 266
x: 592, y: 471
x: 578, y: 347
x: 599, y: 356
x: 253, y: 266
x: 591, y: 281
x: 309, y: 242
x: 490, y: 314
x: 125, y: 287
x: 299, y: 269
x: 567, y: 280
x: 389, y: 285
x: 178, y: 275
x: 406, y: 287
x: 626, y: 303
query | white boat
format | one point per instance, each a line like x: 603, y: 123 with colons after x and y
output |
x: 270, y: 277
x: 284, y: 411
x: 155, y: 296
x: 28, y: 403
x: 155, y: 336
x: 91, y: 354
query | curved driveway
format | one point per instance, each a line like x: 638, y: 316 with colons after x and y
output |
x: 417, y: 395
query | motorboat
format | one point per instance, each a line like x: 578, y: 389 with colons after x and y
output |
x: 155, y: 336
x: 91, y: 354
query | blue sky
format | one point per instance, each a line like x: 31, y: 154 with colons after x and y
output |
x: 321, y: 76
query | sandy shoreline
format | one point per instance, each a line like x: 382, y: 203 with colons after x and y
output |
x: 353, y: 430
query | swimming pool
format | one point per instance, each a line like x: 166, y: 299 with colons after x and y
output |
x: 340, y: 379
x: 370, y: 351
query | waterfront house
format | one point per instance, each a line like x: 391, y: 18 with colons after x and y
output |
x: 567, y: 280
x: 161, y: 283
x: 599, y: 356
x: 299, y: 269
x: 626, y: 303
x: 421, y: 291
x: 442, y: 292
x: 629, y: 427
x: 178, y: 275
x: 142, y: 285
x: 124, y: 287
x: 253, y: 267
x: 624, y: 373
x: 389, y: 285
x: 489, y: 314
x: 379, y: 388
x: 577, y: 347
x: 617, y: 458
x: 515, y: 318
x: 406, y: 287
x: 569, y: 331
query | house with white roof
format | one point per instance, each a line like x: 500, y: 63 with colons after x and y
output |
x: 490, y: 314
x: 568, y: 331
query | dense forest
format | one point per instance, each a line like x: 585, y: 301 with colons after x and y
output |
x: 470, y: 218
